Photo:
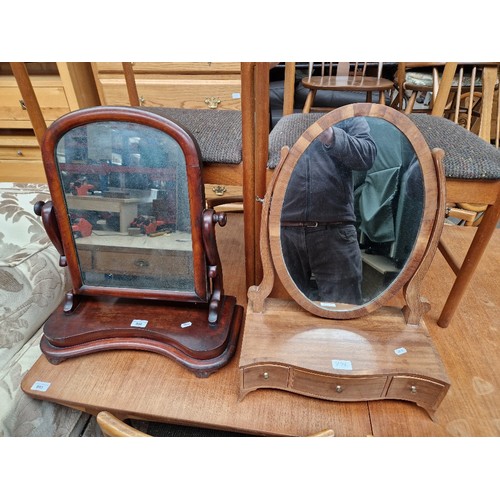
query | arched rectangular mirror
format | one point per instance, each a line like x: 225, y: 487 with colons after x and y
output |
x: 128, y: 217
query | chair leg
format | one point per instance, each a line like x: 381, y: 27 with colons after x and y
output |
x: 309, y: 101
x: 478, y: 246
x: 411, y: 103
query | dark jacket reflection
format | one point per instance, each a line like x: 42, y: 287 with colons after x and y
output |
x: 318, y: 233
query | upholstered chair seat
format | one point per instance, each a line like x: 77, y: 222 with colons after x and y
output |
x: 467, y: 156
x: 218, y: 132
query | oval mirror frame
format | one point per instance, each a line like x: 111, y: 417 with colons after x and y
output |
x: 195, y: 190
x: 430, y: 206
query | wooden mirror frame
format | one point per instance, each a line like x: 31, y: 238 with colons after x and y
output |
x: 63, y: 238
x: 198, y: 328
x: 425, y: 244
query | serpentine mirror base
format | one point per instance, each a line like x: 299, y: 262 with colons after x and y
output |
x: 364, y: 359
x: 180, y: 332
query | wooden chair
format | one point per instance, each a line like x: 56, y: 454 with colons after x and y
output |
x: 112, y: 426
x: 472, y: 164
x: 424, y: 77
x: 348, y: 77
x: 412, y: 78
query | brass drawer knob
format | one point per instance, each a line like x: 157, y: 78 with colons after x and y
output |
x: 219, y: 190
x: 413, y: 389
x: 23, y: 105
x: 339, y: 389
x: 19, y: 152
x: 212, y: 102
x: 266, y: 375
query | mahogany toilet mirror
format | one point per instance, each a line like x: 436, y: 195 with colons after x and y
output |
x: 306, y: 330
x: 127, y: 215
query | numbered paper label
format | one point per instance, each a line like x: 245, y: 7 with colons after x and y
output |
x: 139, y: 323
x: 341, y: 364
x: 40, y: 386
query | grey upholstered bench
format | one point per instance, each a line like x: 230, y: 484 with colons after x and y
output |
x: 467, y: 156
x: 286, y: 132
x: 218, y: 132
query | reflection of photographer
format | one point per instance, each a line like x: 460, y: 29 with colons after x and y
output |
x: 318, y: 233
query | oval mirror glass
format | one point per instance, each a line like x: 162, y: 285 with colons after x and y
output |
x: 350, y: 210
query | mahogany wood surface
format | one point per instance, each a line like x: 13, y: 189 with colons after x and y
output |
x: 149, y: 386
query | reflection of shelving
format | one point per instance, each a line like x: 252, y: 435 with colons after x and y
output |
x: 126, y: 207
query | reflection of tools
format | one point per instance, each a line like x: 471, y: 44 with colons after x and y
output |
x: 81, y: 227
x: 81, y: 187
x: 148, y: 224
x: 158, y: 233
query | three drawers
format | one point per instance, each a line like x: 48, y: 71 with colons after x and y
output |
x: 424, y: 392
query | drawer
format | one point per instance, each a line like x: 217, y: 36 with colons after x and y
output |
x: 263, y: 376
x: 24, y: 152
x: 22, y: 170
x: 136, y: 263
x: 425, y: 392
x: 85, y: 258
x: 337, y: 388
x: 172, y: 67
x: 185, y: 92
x: 50, y: 94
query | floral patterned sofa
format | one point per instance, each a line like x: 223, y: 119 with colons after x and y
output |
x: 32, y: 285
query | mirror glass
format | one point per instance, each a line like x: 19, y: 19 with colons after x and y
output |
x: 351, y: 212
x: 126, y: 194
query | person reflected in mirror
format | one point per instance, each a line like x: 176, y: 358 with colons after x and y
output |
x: 318, y: 232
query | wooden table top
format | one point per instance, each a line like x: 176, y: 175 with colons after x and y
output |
x: 147, y: 386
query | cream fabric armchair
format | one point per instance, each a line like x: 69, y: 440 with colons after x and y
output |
x: 32, y: 284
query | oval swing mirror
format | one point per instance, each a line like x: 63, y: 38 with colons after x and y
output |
x: 352, y: 210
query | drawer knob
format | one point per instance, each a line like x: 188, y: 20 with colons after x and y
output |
x: 23, y: 105
x: 413, y: 389
x: 266, y: 375
x: 19, y: 153
x: 142, y: 101
x: 339, y: 388
x: 141, y: 263
x: 212, y: 102
x: 219, y: 190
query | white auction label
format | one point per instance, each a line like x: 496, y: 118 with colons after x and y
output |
x: 341, y: 364
x: 400, y: 350
x: 186, y: 324
x: 139, y: 323
x: 40, y: 386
